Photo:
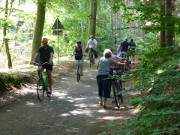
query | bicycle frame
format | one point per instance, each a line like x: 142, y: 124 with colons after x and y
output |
x: 44, y: 78
x: 91, y: 57
x: 42, y: 83
x: 78, y: 74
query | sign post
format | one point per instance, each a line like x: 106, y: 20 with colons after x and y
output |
x: 57, y: 30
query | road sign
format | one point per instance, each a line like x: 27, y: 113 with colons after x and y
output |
x: 57, y: 27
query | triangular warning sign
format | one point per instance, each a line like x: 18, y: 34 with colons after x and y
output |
x: 57, y: 27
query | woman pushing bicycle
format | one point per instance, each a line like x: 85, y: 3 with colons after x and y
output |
x: 104, y: 76
x: 104, y: 84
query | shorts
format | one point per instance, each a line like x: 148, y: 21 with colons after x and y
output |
x: 48, y: 67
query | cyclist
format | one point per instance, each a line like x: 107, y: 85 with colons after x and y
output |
x: 132, y: 47
x: 104, y: 85
x: 78, y: 53
x: 45, y: 54
x: 123, y: 48
x: 91, y: 45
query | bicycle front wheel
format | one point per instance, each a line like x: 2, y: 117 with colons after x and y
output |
x: 40, y: 90
x: 91, y: 59
x: 78, y: 74
x: 117, y: 96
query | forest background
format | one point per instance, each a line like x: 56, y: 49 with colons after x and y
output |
x: 153, y: 24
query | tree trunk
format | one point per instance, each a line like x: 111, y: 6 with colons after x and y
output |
x: 162, y: 32
x: 5, y: 39
x: 92, y: 18
x: 113, y: 27
x: 170, y: 34
x: 39, y: 26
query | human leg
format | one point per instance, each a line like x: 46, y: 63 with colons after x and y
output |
x: 107, y: 91
x: 49, y: 68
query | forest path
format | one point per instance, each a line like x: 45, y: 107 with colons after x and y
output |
x: 72, y: 110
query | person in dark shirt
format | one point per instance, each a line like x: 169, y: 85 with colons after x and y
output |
x: 132, y: 47
x: 78, y: 54
x: 45, y: 54
x: 123, y: 48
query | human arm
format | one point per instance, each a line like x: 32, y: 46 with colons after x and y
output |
x: 51, y: 56
x: 95, y: 43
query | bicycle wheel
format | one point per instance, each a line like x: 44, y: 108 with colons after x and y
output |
x: 78, y: 74
x: 117, y: 96
x: 40, y: 90
x: 91, y: 59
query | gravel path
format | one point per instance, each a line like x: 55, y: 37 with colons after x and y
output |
x: 72, y: 110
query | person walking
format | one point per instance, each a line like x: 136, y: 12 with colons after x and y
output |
x: 104, y: 84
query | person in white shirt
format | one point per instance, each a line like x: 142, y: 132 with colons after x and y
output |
x: 92, y: 45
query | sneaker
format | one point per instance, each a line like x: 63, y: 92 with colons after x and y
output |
x: 49, y: 93
x: 100, y: 103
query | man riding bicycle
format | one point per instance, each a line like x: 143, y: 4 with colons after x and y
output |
x: 45, y: 54
x: 132, y: 47
x: 91, y: 45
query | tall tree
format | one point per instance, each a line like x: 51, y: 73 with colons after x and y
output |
x: 92, y: 17
x: 5, y: 39
x: 39, y: 26
x: 170, y: 25
x: 162, y: 25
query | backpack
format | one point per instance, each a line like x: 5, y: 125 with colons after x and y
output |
x: 78, y: 54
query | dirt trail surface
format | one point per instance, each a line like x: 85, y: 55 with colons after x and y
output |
x: 73, y: 109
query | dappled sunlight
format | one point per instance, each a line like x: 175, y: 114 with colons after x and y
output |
x: 71, y: 99
x: 93, y: 105
x: 60, y: 95
x: 86, y: 112
x: 19, y: 68
x: 159, y: 71
x: 101, y: 111
x: 65, y: 78
x: 64, y: 115
x: 8, y: 110
x: 87, y: 86
x: 30, y: 103
x: 135, y: 111
x: 112, y: 118
x: 82, y: 105
x: 72, y: 130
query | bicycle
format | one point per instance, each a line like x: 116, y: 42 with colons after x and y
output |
x: 78, y: 72
x: 42, y: 82
x: 117, y: 86
x: 91, y: 57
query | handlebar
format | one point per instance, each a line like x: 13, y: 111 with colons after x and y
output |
x: 39, y: 64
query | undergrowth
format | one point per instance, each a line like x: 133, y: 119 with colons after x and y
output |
x: 158, y: 80
x: 7, y: 80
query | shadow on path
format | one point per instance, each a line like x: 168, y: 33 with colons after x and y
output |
x: 72, y: 110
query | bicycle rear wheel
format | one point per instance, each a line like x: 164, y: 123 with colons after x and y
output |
x: 40, y: 90
x: 91, y: 59
x: 78, y: 74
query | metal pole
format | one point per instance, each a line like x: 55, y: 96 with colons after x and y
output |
x: 58, y: 47
x: 58, y: 38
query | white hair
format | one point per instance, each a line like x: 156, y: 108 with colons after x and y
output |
x: 107, y: 51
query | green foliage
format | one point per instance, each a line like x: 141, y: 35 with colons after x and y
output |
x: 158, y: 79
